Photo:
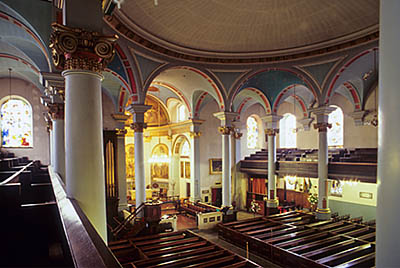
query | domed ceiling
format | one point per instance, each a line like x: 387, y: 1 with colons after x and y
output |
x: 256, y: 26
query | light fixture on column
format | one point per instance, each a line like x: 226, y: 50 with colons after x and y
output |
x: 9, y: 82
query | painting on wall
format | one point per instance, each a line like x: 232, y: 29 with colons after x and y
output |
x: 187, y: 170
x: 215, y: 166
x: 160, y: 163
x: 130, y: 161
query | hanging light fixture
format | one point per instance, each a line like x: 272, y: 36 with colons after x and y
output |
x: 294, y: 109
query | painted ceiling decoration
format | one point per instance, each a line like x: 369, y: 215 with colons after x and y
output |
x: 358, y: 75
x: 156, y: 116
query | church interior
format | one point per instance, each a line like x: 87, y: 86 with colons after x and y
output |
x: 156, y: 133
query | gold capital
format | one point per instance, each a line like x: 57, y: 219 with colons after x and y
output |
x: 322, y: 127
x: 271, y: 131
x: 225, y: 130
x: 56, y: 110
x: 237, y: 134
x: 121, y: 131
x: 74, y: 48
x: 194, y: 134
x: 138, y: 127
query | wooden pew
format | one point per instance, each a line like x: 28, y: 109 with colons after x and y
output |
x: 181, y: 249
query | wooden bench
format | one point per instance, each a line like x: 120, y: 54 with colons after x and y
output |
x: 178, y: 249
x: 295, y: 239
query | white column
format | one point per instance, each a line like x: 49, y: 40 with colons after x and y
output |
x: 271, y: 130
x: 140, y: 182
x: 236, y: 155
x: 226, y: 170
x: 225, y: 130
x: 195, y: 166
x: 388, y: 198
x: 84, y: 145
x: 121, y: 170
x: 51, y: 143
x: 175, y: 176
x: 138, y: 111
x: 59, y: 147
x: 322, y: 113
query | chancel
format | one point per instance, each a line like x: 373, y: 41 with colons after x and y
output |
x: 199, y: 133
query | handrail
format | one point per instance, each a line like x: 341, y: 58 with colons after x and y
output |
x: 16, y: 174
x: 85, y: 244
x: 131, y: 216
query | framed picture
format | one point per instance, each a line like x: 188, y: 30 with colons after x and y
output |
x: 215, y: 166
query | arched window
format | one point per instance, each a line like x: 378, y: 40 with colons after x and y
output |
x: 335, y: 133
x: 185, y: 160
x: 252, y: 132
x: 181, y: 112
x: 185, y: 149
x: 287, y: 131
x: 16, y: 123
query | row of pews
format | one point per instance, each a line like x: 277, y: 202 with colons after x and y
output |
x: 30, y: 227
x: 360, y: 163
x: 193, y: 208
x: 368, y: 155
x: 177, y: 249
x: 296, y: 239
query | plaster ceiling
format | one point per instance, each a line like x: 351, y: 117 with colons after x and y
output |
x: 237, y: 26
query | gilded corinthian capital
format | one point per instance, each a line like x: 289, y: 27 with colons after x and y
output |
x: 322, y: 127
x: 225, y: 130
x: 138, y: 127
x: 74, y: 48
x: 272, y: 131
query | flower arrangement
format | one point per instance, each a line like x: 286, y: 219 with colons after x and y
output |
x: 254, y: 207
x: 313, y: 199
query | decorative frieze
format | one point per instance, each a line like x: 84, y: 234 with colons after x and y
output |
x: 121, y: 131
x: 78, y: 49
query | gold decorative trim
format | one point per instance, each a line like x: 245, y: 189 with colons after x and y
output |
x: 225, y: 130
x: 322, y: 127
x: 121, y: 131
x: 147, y: 139
x: 74, y: 48
x: 194, y: 134
x: 271, y: 131
x: 323, y: 210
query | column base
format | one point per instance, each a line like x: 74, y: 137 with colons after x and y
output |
x: 323, y: 214
x: 194, y: 199
x: 272, y: 203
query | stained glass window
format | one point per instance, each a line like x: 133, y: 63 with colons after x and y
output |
x: 335, y: 133
x: 181, y: 113
x: 287, y: 131
x: 16, y: 123
x: 252, y: 132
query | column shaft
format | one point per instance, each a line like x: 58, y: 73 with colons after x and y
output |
x: 195, y: 170
x: 272, y: 202
x: 388, y: 197
x: 226, y: 171
x: 140, y: 180
x: 121, y: 173
x: 323, y: 207
x: 84, y: 145
x: 59, y: 147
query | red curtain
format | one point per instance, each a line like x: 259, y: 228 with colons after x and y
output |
x: 258, y: 186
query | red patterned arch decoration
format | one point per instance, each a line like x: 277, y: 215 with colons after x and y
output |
x: 344, y: 67
x: 298, y: 99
